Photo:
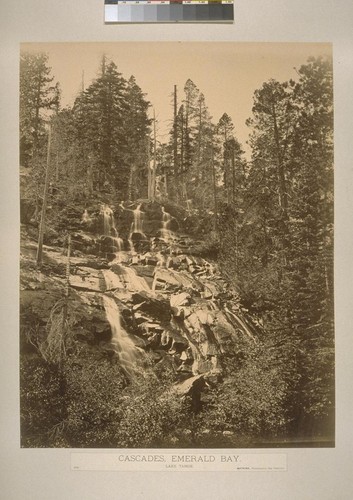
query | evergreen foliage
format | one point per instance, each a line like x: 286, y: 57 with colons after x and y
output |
x: 283, y: 236
x: 37, y: 97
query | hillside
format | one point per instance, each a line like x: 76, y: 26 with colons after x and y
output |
x: 136, y: 299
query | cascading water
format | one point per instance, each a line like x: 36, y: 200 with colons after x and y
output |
x: 131, y: 244
x: 108, y: 219
x: 165, y: 231
x: 109, y: 226
x: 130, y: 356
x: 136, y: 227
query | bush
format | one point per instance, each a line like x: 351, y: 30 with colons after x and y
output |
x: 42, y: 403
x: 93, y: 394
x: 150, y: 416
x: 250, y: 402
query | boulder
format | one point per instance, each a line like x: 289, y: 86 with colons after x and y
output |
x: 196, y: 382
x: 83, y: 242
x: 210, y: 290
x: 203, y: 316
x: 165, y: 276
x: 149, y: 259
x: 180, y: 299
x: 193, y: 322
x: 145, y: 270
x: 111, y: 280
x: 108, y: 244
x: 156, y: 307
x: 87, y: 279
x: 209, y: 349
x: 178, y: 312
x: 201, y: 366
x: 135, y: 237
x: 179, y: 343
x: 222, y: 329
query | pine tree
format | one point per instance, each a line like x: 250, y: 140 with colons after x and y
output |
x: 190, y: 112
x: 233, y: 164
x: 101, y: 111
x: 311, y: 259
x: 201, y: 172
x: 137, y: 130
x: 285, y: 237
x: 39, y: 99
x: 273, y: 122
x: 37, y: 96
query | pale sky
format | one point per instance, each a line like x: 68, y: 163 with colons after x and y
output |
x: 227, y: 73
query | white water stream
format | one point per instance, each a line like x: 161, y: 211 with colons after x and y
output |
x: 109, y: 226
x: 165, y: 231
x: 136, y: 227
x: 130, y: 356
x: 137, y: 224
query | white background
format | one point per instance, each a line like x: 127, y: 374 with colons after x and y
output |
x: 324, y: 474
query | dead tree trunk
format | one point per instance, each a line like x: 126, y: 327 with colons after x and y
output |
x: 44, y: 205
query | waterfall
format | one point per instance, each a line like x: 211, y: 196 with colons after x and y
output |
x: 109, y: 226
x: 108, y: 219
x: 131, y: 244
x: 165, y: 231
x: 119, y: 243
x: 136, y: 227
x: 130, y: 356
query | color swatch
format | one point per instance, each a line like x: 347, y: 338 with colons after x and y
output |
x: 173, y: 11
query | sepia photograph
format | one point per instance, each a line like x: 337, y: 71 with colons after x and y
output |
x: 176, y: 261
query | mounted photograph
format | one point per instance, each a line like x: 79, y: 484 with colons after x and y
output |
x: 176, y: 279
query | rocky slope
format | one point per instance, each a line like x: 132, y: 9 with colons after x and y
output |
x: 138, y: 290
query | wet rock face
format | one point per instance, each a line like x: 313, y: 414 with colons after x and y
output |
x: 170, y: 304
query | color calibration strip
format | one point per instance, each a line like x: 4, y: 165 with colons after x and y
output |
x: 173, y: 11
